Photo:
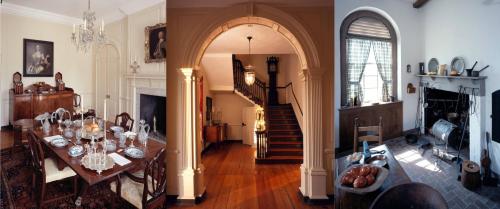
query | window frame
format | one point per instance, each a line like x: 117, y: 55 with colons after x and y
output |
x: 344, y: 28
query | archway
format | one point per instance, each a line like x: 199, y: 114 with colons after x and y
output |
x: 313, y: 174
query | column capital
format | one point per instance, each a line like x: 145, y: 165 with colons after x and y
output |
x: 187, y: 72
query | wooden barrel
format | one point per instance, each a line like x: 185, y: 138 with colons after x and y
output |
x: 471, y: 178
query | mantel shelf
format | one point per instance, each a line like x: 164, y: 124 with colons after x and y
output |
x: 454, y: 77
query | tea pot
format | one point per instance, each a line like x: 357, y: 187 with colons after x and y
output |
x: 143, y: 131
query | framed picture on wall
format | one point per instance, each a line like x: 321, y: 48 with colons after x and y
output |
x: 156, y: 43
x: 38, y: 58
x: 209, y: 108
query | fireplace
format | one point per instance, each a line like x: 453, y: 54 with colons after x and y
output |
x: 450, y: 106
x: 150, y: 105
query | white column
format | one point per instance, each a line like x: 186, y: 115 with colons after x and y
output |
x: 188, y: 144
x: 313, y: 174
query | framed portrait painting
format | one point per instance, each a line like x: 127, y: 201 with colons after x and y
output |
x: 156, y: 43
x: 38, y: 58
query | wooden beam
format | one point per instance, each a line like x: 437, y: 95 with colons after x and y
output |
x: 419, y: 3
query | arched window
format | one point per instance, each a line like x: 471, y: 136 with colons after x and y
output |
x: 368, y: 51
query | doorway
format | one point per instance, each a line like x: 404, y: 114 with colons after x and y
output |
x: 107, y: 80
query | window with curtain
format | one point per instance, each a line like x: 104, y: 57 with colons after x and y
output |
x: 368, y: 58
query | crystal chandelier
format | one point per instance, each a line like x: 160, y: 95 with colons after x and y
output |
x: 249, y: 73
x: 85, y: 36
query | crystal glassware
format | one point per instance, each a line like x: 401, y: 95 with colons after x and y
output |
x: 78, y: 135
x: 132, y: 138
x: 123, y: 139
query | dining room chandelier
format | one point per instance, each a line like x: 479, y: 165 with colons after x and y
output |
x: 86, y: 34
x: 249, y: 69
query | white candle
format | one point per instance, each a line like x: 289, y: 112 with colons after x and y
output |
x: 104, y: 109
x: 102, y: 25
x: 104, y: 121
x: 74, y: 28
x: 81, y: 107
x: 85, y: 24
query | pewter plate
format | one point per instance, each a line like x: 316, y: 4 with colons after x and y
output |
x: 379, y: 180
x: 59, y: 142
x: 134, y: 152
x: 458, y: 64
x: 433, y: 66
x: 75, y: 151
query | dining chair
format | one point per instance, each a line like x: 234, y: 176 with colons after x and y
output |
x: 367, y: 133
x: 45, y: 172
x: 148, y: 191
x: 124, y: 119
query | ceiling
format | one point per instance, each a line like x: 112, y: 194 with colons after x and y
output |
x: 265, y: 41
x: 110, y: 10
x: 224, y: 3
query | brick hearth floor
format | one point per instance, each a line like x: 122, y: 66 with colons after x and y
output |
x: 442, y: 176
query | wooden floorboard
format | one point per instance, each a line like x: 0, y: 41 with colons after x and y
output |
x: 234, y: 181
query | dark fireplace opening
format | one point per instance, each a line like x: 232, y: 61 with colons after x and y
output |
x: 450, y: 106
x: 153, y: 109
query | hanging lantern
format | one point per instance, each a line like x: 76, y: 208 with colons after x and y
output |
x: 249, y: 78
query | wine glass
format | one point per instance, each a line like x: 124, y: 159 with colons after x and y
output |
x: 78, y: 135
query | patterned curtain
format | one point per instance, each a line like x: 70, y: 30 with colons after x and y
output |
x: 357, y: 56
x: 383, y: 57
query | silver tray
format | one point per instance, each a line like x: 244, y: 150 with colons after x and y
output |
x: 108, y: 165
x: 75, y: 151
x: 59, y: 142
x: 379, y: 180
x: 134, y: 152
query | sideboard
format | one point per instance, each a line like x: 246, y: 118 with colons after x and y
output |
x: 30, y: 104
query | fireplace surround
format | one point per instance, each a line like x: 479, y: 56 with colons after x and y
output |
x: 475, y: 89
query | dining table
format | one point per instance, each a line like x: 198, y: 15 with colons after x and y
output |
x: 91, y: 177
x: 396, y: 176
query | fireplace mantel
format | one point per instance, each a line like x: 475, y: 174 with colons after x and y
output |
x: 452, y: 83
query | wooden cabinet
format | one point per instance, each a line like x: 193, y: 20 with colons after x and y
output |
x: 392, y: 120
x: 29, y: 105
x: 215, y: 133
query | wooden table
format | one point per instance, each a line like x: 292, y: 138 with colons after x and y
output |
x: 396, y: 176
x: 91, y: 177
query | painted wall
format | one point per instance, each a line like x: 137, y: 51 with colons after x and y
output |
x: 467, y: 29
x: 218, y: 70
x: 128, y: 36
x: 407, y: 23
x: 231, y: 105
x: 76, y: 67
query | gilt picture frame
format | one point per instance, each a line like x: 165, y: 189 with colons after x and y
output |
x: 38, y: 58
x: 155, y: 45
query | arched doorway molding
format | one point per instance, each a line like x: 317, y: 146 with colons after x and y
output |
x: 313, y: 175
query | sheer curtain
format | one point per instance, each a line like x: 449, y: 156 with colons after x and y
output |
x: 357, y: 56
x: 383, y: 57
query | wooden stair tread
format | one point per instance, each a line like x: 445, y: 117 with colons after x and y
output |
x: 286, y: 142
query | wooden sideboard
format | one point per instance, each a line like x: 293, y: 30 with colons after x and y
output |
x: 392, y: 120
x: 29, y: 105
x: 215, y: 133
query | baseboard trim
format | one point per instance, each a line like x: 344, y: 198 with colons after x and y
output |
x: 173, y: 200
x: 309, y: 201
x: 6, y: 128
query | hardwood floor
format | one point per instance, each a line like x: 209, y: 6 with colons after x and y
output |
x: 234, y: 181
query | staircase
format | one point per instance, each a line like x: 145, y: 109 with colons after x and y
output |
x: 281, y: 142
x: 284, y: 136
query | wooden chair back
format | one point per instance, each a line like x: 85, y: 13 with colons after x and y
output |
x: 126, y: 122
x: 367, y: 133
x: 38, y: 158
x: 155, y: 181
